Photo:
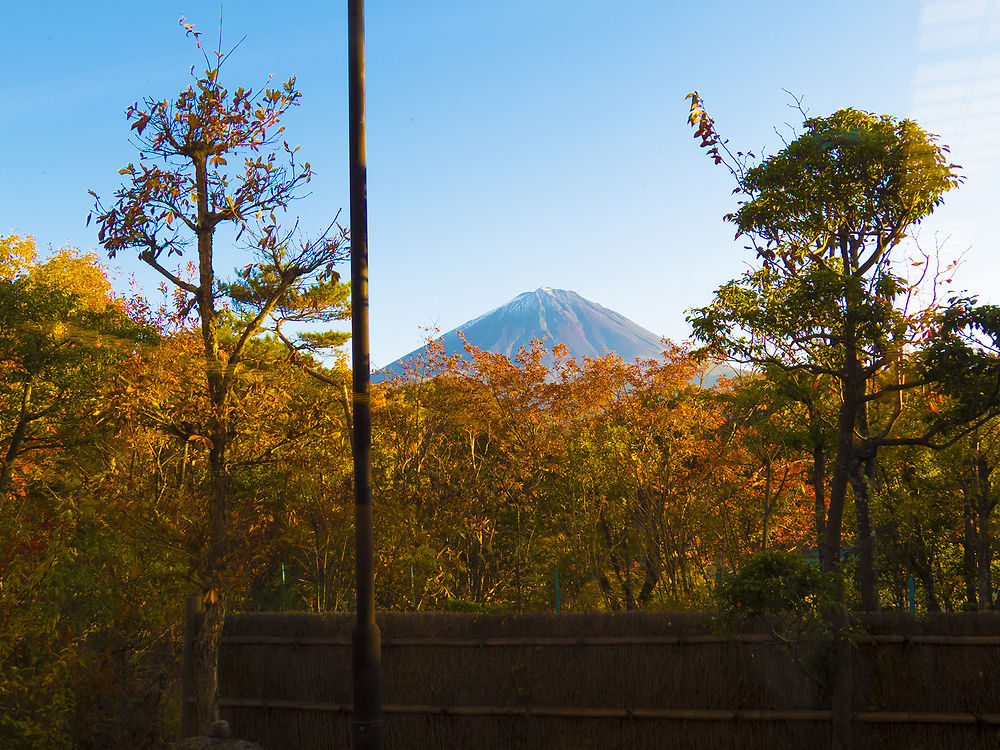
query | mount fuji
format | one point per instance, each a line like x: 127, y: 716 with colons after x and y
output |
x: 553, y: 315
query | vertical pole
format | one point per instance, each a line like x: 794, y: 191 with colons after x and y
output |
x: 911, y: 590
x: 366, y: 719
x: 282, y: 587
x: 557, y: 590
x: 189, y: 675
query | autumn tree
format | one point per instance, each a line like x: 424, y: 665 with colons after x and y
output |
x: 640, y: 482
x: 461, y: 451
x: 625, y: 477
x: 767, y: 439
x: 829, y: 297
x: 60, y: 330
x: 214, y: 157
x: 63, y: 334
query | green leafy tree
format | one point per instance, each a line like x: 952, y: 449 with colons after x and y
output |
x: 780, y: 584
x: 214, y: 157
x: 939, y: 509
x: 979, y: 454
x: 826, y: 216
x: 919, y: 515
x: 799, y: 601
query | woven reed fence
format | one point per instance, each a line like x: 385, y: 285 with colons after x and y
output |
x: 636, y: 680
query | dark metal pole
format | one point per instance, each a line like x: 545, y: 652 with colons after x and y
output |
x: 366, y: 719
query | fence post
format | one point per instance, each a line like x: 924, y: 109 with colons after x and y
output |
x: 189, y: 708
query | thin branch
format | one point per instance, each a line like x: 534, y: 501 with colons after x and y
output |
x: 149, y: 258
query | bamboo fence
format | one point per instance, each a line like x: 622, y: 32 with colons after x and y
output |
x: 623, y: 680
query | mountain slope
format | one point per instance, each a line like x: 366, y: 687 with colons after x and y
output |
x: 554, y: 315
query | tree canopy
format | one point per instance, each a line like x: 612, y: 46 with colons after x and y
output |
x: 831, y: 296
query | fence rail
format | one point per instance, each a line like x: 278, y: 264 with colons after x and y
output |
x: 692, y: 640
x: 572, y: 712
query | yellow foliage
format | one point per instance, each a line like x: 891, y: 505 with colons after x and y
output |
x: 16, y: 253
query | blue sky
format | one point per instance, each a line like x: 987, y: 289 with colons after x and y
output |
x: 516, y: 144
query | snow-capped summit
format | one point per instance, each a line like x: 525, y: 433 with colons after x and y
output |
x: 556, y: 316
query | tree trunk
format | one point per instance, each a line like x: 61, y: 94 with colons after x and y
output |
x: 621, y: 575
x: 217, y: 552
x: 213, y: 579
x: 207, y: 661
x: 984, y: 560
x: 838, y: 484
x: 985, y: 503
x: 819, y: 500
x: 16, y: 438
x: 768, y: 500
x: 970, y: 549
x: 927, y: 581
x: 650, y: 580
x: 868, y: 565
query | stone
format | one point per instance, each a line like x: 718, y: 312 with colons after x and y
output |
x: 216, y: 742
